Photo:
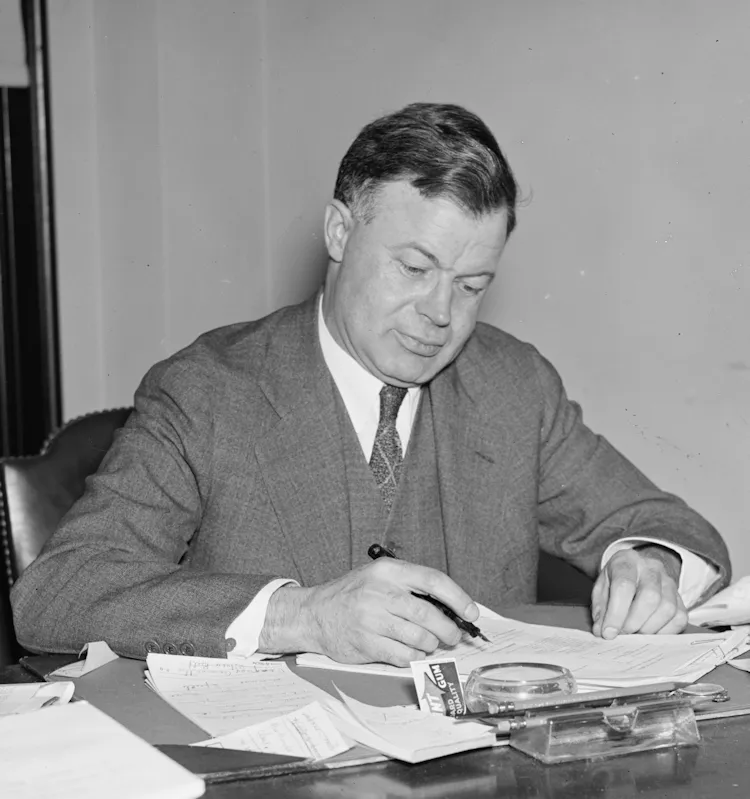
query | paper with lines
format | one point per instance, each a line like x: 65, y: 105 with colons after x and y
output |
x: 222, y: 696
x: 308, y: 733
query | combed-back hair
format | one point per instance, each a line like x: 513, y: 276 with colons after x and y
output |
x: 442, y: 150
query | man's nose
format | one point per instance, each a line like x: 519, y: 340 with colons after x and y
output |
x: 436, y: 305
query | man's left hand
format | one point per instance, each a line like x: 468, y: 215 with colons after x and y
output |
x: 636, y: 592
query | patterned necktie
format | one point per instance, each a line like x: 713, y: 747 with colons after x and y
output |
x: 386, y: 457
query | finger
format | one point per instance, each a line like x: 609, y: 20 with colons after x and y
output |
x: 669, y: 618
x: 415, y: 621
x: 395, y: 612
x: 432, y: 621
x: 424, y: 580
x: 358, y: 618
x: 649, y: 600
x: 623, y: 577
x: 656, y: 601
x: 413, y: 625
x: 676, y: 625
x: 598, y: 602
x: 388, y: 650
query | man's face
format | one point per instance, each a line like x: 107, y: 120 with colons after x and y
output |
x: 403, y: 290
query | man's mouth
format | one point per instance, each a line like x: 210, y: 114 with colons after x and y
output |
x: 427, y: 349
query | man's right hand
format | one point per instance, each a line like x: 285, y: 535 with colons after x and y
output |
x: 367, y: 616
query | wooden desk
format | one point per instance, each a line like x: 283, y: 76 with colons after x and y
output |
x: 718, y: 767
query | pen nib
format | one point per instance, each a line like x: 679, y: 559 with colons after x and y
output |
x: 484, y: 637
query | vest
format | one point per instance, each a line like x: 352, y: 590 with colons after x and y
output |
x: 414, y: 527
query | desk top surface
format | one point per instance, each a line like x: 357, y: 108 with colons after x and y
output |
x: 718, y: 767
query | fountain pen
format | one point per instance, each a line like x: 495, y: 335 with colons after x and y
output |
x: 377, y: 551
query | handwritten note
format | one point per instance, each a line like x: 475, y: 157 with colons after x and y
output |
x: 308, y: 732
x: 222, y: 696
x: 625, y: 661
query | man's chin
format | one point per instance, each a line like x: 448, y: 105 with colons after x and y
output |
x: 412, y: 374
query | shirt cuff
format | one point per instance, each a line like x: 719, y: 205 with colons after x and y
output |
x: 243, y: 633
x: 696, y: 574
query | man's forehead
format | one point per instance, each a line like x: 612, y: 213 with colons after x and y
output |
x: 400, y: 195
x: 401, y: 200
x: 407, y: 219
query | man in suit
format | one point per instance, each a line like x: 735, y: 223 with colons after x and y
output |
x: 234, y: 511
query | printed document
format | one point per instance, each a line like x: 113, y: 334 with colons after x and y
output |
x: 628, y: 660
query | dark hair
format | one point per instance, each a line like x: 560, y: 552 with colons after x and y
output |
x: 442, y: 150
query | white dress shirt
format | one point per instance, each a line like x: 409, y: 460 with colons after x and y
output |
x: 360, y: 392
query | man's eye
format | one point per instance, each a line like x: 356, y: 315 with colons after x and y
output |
x: 472, y: 291
x: 414, y: 271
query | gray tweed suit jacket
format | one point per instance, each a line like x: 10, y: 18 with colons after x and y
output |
x: 230, y: 472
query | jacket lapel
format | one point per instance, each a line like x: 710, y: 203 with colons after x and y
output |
x: 475, y: 463
x: 301, y: 458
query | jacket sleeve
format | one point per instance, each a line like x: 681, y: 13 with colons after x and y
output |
x: 112, y: 571
x: 590, y: 495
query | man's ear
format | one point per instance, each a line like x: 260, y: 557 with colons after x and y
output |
x: 337, y: 226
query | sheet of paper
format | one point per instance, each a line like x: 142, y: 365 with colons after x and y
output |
x: 308, y: 732
x: 222, y: 696
x: 625, y: 661
x: 77, y: 752
x: 97, y: 654
x: 406, y: 733
x: 729, y: 606
x: 741, y: 663
x: 26, y: 697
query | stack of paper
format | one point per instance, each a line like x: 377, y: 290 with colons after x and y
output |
x: 409, y: 734
x: 222, y: 696
x: 628, y: 660
x: 78, y: 752
x: 265, y: 707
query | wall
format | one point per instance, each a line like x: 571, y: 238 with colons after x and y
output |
x: 158, y: 143
x: 195, y: 150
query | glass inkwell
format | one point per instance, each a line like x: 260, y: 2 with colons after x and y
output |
x: 491, y: 688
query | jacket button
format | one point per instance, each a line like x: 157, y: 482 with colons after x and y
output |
x: 187, y: 649
x: 152, y: 647
x: 231, y: 644
x: 170, y: 649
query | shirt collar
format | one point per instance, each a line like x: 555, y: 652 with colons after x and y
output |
x: 360, y: 390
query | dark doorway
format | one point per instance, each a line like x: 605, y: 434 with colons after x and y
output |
x: 30, y: 405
